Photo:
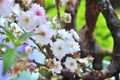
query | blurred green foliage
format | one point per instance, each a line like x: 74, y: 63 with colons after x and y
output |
x: 102, y: 33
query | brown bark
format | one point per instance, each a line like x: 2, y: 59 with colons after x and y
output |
x: 72, y: 8
x: 21, y: 4
x: 91, y: 15
x: 88, y: 42
x: 41, y: 2
x: 113, y: 24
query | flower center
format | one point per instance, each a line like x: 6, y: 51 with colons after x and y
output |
x: 56, y: 66
x: 38, y: 13
x: 26, y: 19
x: 71, y: 45
x: 71, y: 64
x: 59, y: 48
x: 42, y: 33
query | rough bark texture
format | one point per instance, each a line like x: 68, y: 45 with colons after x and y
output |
x: 72, y: 8
x: 88, y: 42
x: 115, y: 3
x: 113, y: 24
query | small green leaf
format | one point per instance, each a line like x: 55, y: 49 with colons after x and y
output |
x: 9, y: 58
x: 2, y: 45
x: 10, y: 36
x: 24, y: 36
x: 45, y: 73
x: 24, y: 54
x: 9, y: 23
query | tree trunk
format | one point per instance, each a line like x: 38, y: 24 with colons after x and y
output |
x: 88, y: 42
x: 113, y: 24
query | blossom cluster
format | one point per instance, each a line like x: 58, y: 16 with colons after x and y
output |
x: 60, y: 48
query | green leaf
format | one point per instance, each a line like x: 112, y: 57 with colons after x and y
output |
x: 10, y: 35
x: 9, y: 58
x: 9, y: 23
x: 45, y: 73
x: 2, y: 45
x: 24, y: 54
x: 24, y: 36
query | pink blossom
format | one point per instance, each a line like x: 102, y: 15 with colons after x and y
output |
x: 37, y: 10
x: 28, y: 49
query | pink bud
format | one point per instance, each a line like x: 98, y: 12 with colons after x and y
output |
x: 28, y: 49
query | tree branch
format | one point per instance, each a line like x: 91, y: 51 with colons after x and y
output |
x: 88, y: 42
x: 114, y: 26
x: 72, y: 8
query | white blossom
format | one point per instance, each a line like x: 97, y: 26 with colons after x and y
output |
x: 72, y: 46
x: 67, y: 17
x: 4, y: 5
x: 71, y: 64
x: 65, y: 34
x: 38, y: 14
x: 26, y: 22
x: 44, y: 34
x: 37, y: 10
x: 2, y: 21
x: 17, y: 28
x: 59, y: 48
x: 57, y: 67
x: 3, y: 49
x: 16, y: 9
x: 75, y: 35
x: 83, y: 60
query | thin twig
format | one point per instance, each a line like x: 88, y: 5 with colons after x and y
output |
x: 39, y: 64
x: 58, y: 11
x: 40, y: 48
